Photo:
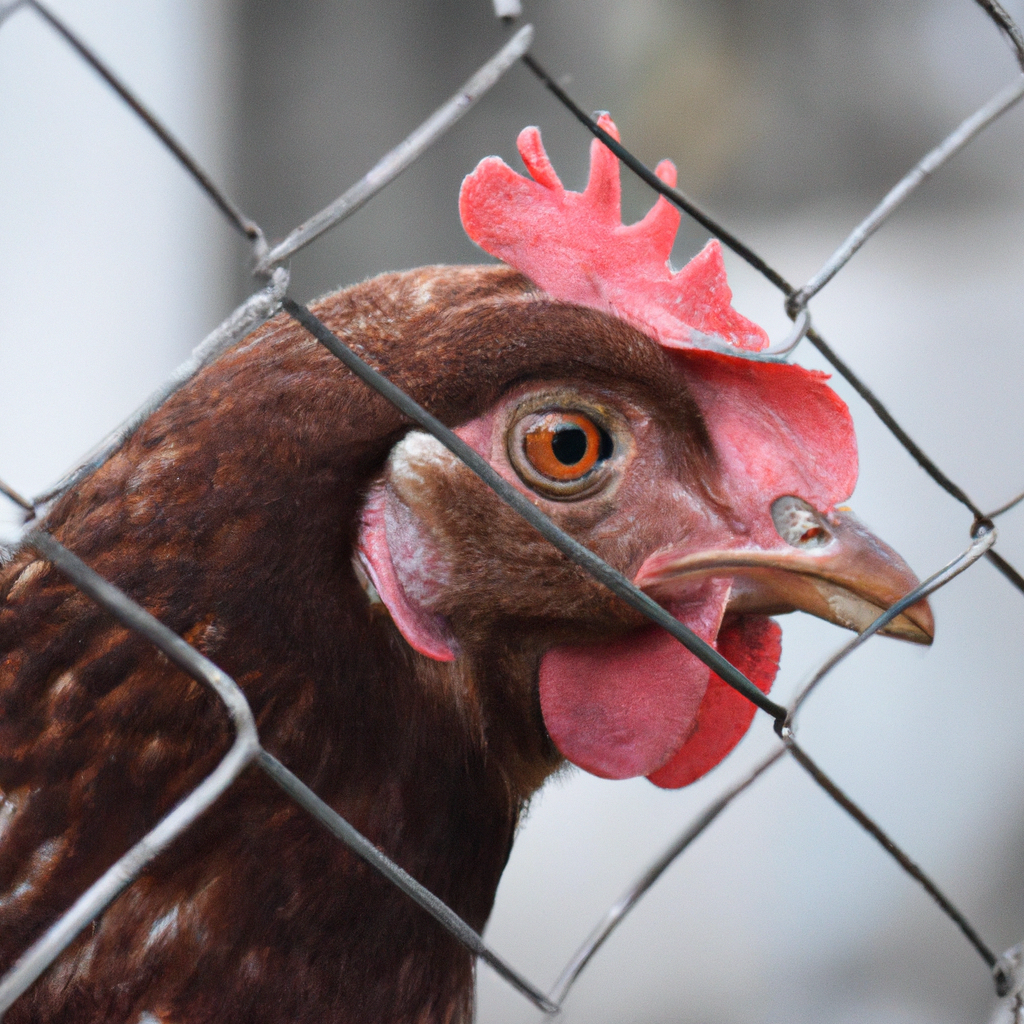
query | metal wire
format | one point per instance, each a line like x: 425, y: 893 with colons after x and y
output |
x: 980, y: 545
x: 244, y: 750
x: 437, y: 908
x: 1007, y: 25
x: 1003, y: 100
x: 13, y: 495
x: 403, y: 155
x: 618, y: 911
x: 231, y: 212
x: 266, y: 302
x: 59, y: 935
x: 909, y: 866
x: 255, y: 311
x: 1012, y: 503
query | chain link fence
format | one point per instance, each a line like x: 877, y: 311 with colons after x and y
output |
x: 271, y: 295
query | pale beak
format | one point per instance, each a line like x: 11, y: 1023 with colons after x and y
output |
x: 829, y: 566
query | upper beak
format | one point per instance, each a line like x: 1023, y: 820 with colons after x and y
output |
x: 829, y: 566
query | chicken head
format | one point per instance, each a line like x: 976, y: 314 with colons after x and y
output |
x: 712, y: 481
x: 682, y: 470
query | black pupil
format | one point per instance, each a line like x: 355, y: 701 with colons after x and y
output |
x: 569, y: 445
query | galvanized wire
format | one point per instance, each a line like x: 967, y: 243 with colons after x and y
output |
x: 234, y: 216
x: 981, y: 544
x: 244, y: 750
x: 968, y: 129
x: 407, y: 152
x: 116, y: 878
x: 255, y: 311
x: 268, y: 300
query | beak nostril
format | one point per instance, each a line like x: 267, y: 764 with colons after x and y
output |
x: 800, y: 524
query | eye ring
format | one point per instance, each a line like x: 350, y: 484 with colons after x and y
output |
x: 565, y: 449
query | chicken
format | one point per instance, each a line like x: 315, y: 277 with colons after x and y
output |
x: 410, y: 647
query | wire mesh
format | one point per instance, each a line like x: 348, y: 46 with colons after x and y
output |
x: 273, y: 297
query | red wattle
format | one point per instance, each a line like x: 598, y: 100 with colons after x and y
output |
x: 622, y: 708
x: 753, y: 643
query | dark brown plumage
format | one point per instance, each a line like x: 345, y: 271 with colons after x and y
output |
x: 233, y: 515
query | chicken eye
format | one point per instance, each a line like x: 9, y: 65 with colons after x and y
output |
x: 562, y: 453
x: 565, y: 445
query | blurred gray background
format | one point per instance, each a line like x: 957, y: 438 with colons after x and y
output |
x: 788, y: 119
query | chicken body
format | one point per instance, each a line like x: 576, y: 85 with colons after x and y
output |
x: 237, y: 514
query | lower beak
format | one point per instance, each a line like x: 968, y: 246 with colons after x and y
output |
x: 836, y: 570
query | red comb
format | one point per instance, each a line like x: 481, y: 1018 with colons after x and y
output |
x: 575, y: 246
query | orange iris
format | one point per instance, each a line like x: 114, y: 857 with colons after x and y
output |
x: 563, y: 445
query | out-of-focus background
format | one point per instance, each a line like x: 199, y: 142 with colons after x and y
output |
x: 788, y: 119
